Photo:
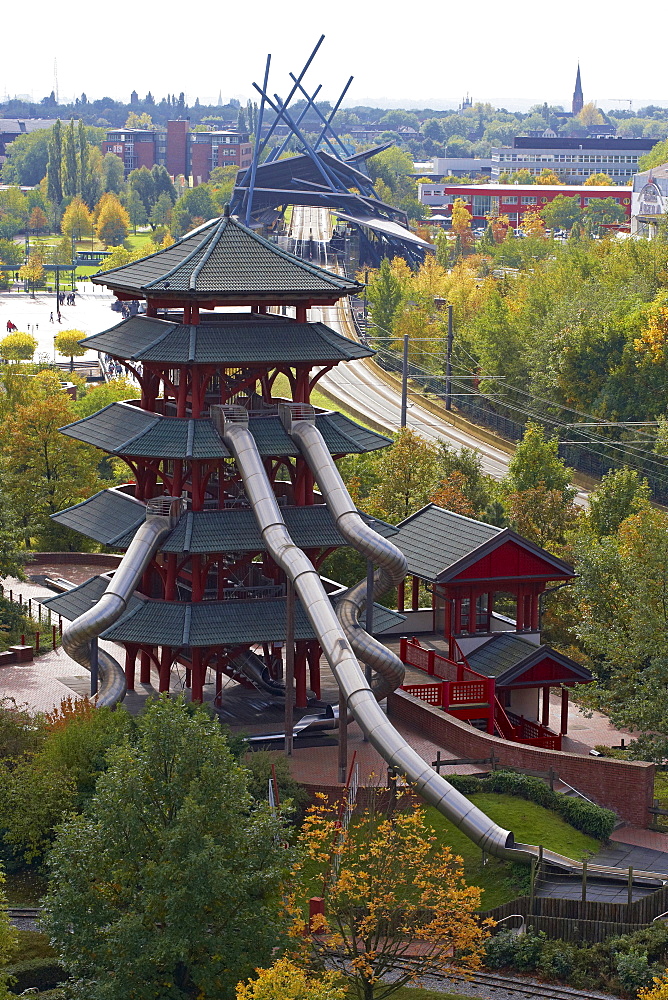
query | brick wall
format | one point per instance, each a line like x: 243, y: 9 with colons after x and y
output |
x: 627, y: 787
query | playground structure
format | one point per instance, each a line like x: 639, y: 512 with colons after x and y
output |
x: 223, y: 517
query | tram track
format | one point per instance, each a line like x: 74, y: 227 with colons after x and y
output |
x: 493, y: 986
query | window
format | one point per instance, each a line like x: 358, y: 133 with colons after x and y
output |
x: 529, y: 199
x: 510, y: 199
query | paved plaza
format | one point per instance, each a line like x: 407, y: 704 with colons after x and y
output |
x: 91, y: 314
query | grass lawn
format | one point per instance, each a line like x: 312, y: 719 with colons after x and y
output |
x: 415, y: 993
x: 531, y: 824
x: 281, y: 387
x: 661, y: 791
x: 32, y: 944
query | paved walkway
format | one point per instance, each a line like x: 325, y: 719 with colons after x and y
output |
x: 91, y: 314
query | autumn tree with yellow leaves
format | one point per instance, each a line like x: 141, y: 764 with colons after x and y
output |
x: 658, y: 990
x: 397, y: 907
x: 286, y: 980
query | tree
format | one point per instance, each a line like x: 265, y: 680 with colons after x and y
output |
x: 542, y: 516
x: 136, y: 210
x: 658, y: 990
x: 113, y: 221
x: 285, y: 980
x: 70, y: 172
x: 38, y: 220
x: 450, y: 495
x: 547, y: 176
x: 161, y: 213
x: 536, y: 461
x: 27, y: 158
x: 384, y: 293
x: 461, y: 222
x: 9, y: 940
x: 102, y: 395
x: 83, y: 163
x: 113, y: 174
x: 13, y: 556
x: 388, y: 884
x: 475, y: 485
x: 621, y: 494
x: 603, y: 212
x: 67, y: 343
x: 194, y: 203
x: 18, y: 346
x: 143, y: 120
x: 599, y: 180
x: 163, y: 182
x: 590, y: 116
x: 77, y: 221
x: 621, y: 596
x: 407, y: 474
x: 143, y: 182
x: 562, y: 212
x: 195, y: 905
x: 523, y: 176
x: 54, y: 176
x: 657, y: 155
x: 532, y: 224
x: 32, y: 271
x: 10, y: 252
x: 43, y: 471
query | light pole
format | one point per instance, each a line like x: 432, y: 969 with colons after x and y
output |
x: 404, y: 383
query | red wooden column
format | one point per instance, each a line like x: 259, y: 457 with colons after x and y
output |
x: 166, y: 659
x: 401, y: 598
x: 535, y: 609
x: 519, y: 613
x: 545, y: 717
x: 130, y: 657
x: 563, y: 729
x: 144, y: 667
x: 313, y: 657
x: 198, y: 672
x: 415, y: 594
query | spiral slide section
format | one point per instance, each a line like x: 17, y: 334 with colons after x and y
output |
x: 161, y: 517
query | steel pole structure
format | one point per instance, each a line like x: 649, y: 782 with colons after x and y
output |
x: 251, y: 189
x: 289, y: 665
x: 448, y: 362
x: 404, y: 383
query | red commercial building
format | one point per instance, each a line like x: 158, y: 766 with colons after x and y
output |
x: 513, y: 200
x: 180, y: 151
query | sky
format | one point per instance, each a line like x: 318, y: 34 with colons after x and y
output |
x: 427, y: 55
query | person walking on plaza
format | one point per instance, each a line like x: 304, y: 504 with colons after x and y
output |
x: 51, y: 318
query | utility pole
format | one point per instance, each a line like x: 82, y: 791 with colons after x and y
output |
x: 404, y: 382
x: 448, y: 362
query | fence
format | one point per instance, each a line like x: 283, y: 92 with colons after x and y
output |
x: 593, y: 459
x: 49, y: 629
x: 574, y: 920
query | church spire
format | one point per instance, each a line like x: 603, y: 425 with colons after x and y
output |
x: 578, y: 100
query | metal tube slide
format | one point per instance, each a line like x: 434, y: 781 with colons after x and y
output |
x: 232, y: 424
x: 162, y: 515
x: 299, y: 422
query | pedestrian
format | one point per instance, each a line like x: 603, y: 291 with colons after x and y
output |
x: 59, y: 317
x: 51, y: 318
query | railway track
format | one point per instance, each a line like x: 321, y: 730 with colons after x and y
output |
x: 23, y: 912
x: 492, y: 986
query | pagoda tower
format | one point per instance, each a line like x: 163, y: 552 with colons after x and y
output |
x: 211, y: 593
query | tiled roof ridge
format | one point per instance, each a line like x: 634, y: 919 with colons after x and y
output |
x: 187, y: 259
x: 451, y: 513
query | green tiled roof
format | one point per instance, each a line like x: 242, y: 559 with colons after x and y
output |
x: 433, y: 539
x: 235, y: 339
x: 223, y: 259
x: 112, y: 518
x: 123, y: 429
x: 74, y: 602
x: 507, y: 655
x: 173, y: 623
x: 500, y: 653
x: 212, y: 623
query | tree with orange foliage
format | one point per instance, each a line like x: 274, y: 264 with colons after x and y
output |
x: 397, y: 907
x: 658, y: 990
x: 450, y: 495
x: 499, y: 224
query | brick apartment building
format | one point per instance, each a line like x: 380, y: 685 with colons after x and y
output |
x: 180, y: 151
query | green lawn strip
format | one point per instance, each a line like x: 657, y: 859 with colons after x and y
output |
x: 531, y: 824
x: 417, y: 993
x: 32, y: 944
x: 281, y: 387
x: 661, y: 791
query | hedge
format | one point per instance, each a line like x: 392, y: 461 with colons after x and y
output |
x: 43, y: 973
x: 584, y: 816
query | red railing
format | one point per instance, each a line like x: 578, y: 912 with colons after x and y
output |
x: 413, y: 654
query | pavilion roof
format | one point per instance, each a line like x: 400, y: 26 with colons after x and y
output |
x: 232, y: 339
x: 441, y: 546
x: 202, y: 623
x: 510, y: 659
x: 222, y: 259
x: 112, y: 518
x: 123, y: 429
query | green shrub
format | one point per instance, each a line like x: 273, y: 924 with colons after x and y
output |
x: 42, y: 973
x: 500, y: 950
x: 556, y: 960
x: 259, y: 764
x: 584, y: 816
x: 633, y: 971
